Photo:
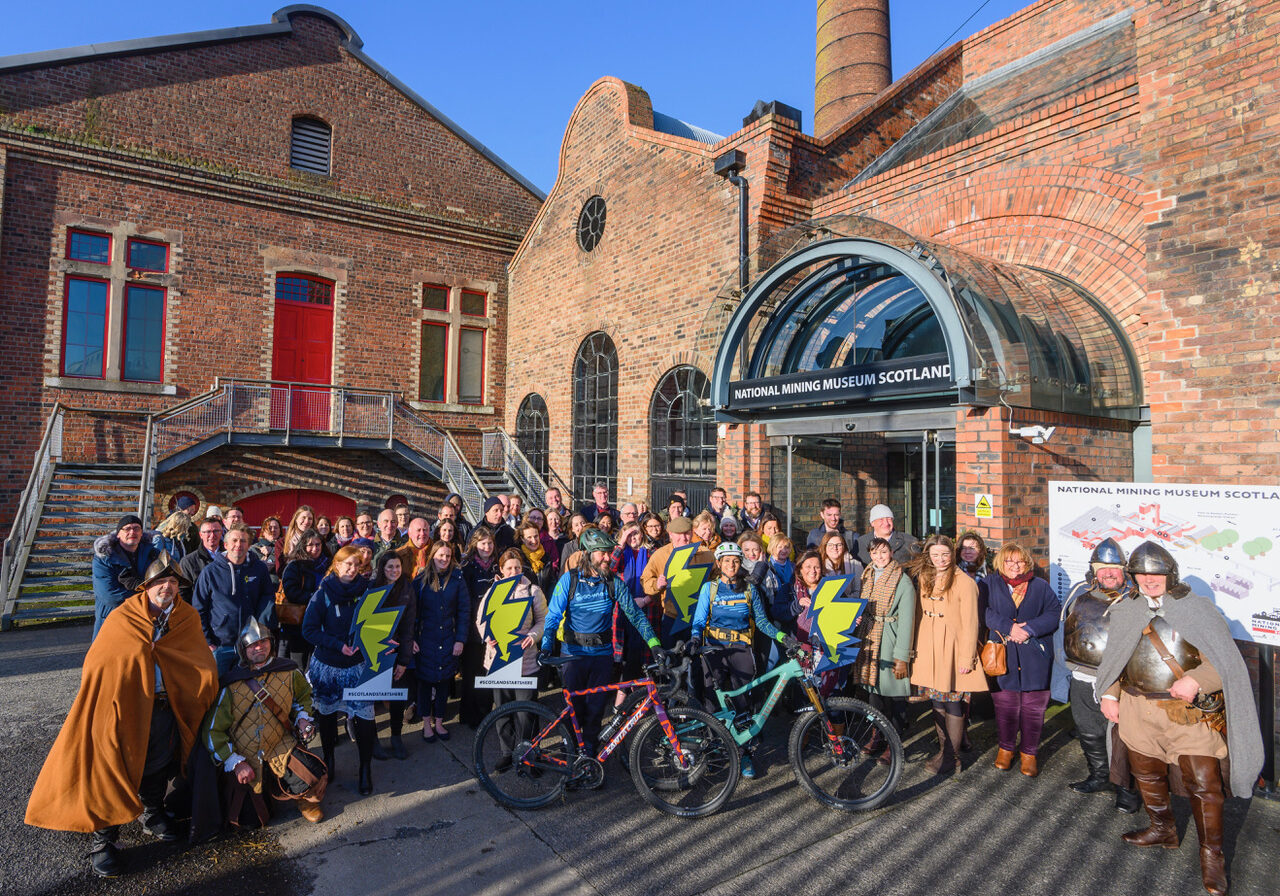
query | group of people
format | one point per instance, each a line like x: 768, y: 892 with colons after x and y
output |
x: 256, y: 613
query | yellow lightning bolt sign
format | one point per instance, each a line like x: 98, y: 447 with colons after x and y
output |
x: 833, y: 617
x: 373, y: 627
x: 684, y: 580
x: 504, y: 616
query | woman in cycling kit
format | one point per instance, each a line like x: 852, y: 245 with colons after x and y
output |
x: 727, y: 605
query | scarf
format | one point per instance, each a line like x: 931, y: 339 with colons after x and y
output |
x: 1020, y: 580
x: 785, y: 570
x: 534, y: 556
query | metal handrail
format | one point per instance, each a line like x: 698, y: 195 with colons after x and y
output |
x: 461, y: 477
x: 524, y: 475
x: 219, y: 380
x: 18, y: 545
x: 146, y: 487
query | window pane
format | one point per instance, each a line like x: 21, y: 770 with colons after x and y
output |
x: 95, y: 247
x: 304, y: 289
x: 431, y: 371
x: 473, y: 302
x: 435, y: 298
x: 471, y: 368
x: 86, y: 326
x: 148, y: 256
x: 143, y: 334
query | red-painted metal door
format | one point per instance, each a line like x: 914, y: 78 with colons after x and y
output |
x: 284, y: 502
x: 302, y: 352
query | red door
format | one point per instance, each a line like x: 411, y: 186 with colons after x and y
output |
x: 284, y: 502
x: 302, y: 352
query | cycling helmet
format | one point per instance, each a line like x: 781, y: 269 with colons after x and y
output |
x: 595, y: 540
x: 728, y: 549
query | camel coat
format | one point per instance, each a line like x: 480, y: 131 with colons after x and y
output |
x: 948, y: 641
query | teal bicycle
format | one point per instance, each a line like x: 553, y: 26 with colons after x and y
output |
x: 845, y: 753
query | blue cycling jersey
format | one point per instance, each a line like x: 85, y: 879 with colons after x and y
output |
x: 590, y: 611
x: 719, y: 606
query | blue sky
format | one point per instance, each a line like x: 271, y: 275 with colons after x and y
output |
x: 511, y: 72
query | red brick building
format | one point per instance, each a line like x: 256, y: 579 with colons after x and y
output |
x: 1074, y: 209
x: 185, y: 220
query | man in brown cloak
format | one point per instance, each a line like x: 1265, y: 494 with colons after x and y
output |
x: 147, y: 681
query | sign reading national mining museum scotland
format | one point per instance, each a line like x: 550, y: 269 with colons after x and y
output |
x: 860, y: 382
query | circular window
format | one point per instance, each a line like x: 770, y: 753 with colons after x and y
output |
x: 591, y: 223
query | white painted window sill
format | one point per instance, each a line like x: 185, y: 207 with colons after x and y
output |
x: 448, y: 407
x: 87, y: 385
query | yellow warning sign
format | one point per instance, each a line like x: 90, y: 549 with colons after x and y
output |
x: 983, y: 507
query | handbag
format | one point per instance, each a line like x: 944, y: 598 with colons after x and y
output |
x: 994, y: 657
x: 287, y: 612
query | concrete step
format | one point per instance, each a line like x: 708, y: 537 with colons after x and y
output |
x: 54, y: 599
x: 57, y: 567
x: 57, y: 550
x: 38, y: 614
x: 68, y: 583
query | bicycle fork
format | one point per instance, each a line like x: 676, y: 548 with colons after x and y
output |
x: 833, y: 730
x: 683, y: 761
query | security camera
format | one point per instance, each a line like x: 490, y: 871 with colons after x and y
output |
x: 1037, y: 434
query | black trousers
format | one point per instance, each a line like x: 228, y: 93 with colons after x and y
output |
x: 514, y: 729
x: 1085, y: 711
x: 584, y: 672
x: 728, y: 670
x: 473, y: 703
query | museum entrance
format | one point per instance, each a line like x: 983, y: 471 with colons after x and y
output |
x: 921, y: 481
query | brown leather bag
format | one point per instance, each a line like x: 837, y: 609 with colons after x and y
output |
x: 994, y: 657
x: 287, y: 612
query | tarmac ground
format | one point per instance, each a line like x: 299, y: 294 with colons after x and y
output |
x: 430, y: 829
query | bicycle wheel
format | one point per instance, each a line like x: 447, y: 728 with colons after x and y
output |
x: 712, y: 772
x: 537, y: 778
x: 864, y: 773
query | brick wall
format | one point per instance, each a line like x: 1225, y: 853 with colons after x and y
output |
x: 191, y: 145
x: 230, y: 473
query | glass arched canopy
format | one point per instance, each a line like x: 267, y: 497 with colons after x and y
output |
x: 856, y: 312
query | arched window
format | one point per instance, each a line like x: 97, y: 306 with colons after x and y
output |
x: 532, y: 427
x: 309, y: 145
x: 595, y: 414
x: 682, y: 437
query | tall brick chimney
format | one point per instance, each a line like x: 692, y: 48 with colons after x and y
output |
x: 852, y: 61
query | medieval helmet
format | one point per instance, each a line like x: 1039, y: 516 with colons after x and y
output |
x: 595, y: 540
x: 253, y: 632
x: 163, y: 567
x: 1151, y: 559
x: 1107, y: 553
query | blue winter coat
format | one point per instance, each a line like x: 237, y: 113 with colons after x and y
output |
x: 227, y: 598
x: 443, y: 619
x: 1030, y: 664
x: 327, y: 620
x: 117, y: 573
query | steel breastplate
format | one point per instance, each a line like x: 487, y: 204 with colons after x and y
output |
x: 1147, y: 672
x: 1084, y: 633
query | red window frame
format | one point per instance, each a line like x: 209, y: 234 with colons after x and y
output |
x: 106, y: 325
x: 442, y: 288
x: 292, y: 275
x: 484, y: 352
x: 444, y: 384
x: 94, y: 233
x: 129, y: 242
x: 124, y: 329
x: 474, y: 292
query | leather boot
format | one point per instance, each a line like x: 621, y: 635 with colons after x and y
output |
x: 1004, y: 759
x: 1094, y: 747
x: 1029, y: 765
x: 104, y: 856
x: 935, y: 761
x: 1152, y: 776
x: 1127, y: 800
x: 309, y: 808
x: 1203, y: 778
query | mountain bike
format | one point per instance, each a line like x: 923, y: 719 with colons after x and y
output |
x: 683, y: 761
x: 845, y: 753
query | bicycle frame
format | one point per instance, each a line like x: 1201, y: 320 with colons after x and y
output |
x: 650, y: 702
x: 791, y: 670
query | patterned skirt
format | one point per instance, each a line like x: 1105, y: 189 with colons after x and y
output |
x: 327, y: 683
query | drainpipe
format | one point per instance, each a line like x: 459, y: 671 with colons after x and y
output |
x: 727, y: 166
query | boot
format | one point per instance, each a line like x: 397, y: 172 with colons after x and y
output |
x: 1030, y: 767
x: 966, y: 745
x: 1004, y: 759
x: 1095, y: 756
x: 936, y: 760
x: 1127, y: 800
x: 104, y: 856
x: 1152, y: 776
x: 956, y: 726
x: 157, y: 823
x: 309, y: 808
x: 379, y: 753
x: 328, y: 727
x: 1203, y: 778
x: 366, y: 736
